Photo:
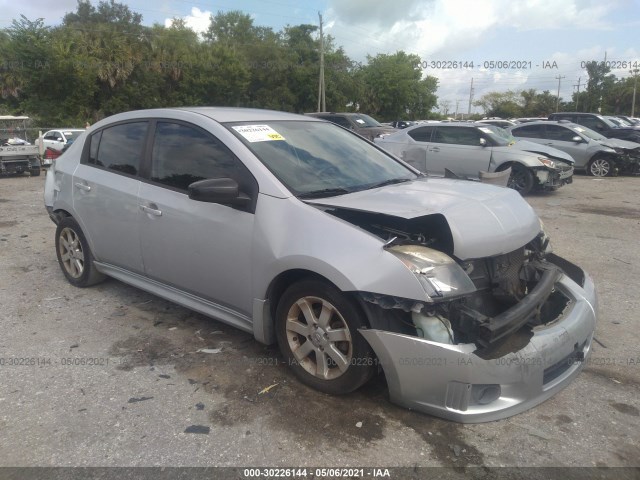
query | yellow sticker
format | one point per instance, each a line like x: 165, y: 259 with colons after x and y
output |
x: 258, y: 133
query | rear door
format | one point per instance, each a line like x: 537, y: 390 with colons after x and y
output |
x: 459, y: 150
x: 105, y: 193
x: 202, y: 248
x: 415, y: 153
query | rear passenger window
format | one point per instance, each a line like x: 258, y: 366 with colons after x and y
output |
x: 457, y: 136
x: 93, y: 150
x: 422, y: 134
x: 120, y: 147
x: 528, y: 131
x: 555, y: 132
x: 592, y: 123
x: 183, y: 155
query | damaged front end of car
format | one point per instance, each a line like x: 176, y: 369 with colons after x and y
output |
x: 493, y: 337
x: 627, y: 161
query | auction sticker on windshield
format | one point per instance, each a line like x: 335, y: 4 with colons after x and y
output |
x: 258, y: 133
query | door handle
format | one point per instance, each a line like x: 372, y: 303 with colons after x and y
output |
x: 151, y: 209
x: 435, y: 149
x: 83, y: 186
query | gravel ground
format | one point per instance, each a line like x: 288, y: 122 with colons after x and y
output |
x: 114, y: 376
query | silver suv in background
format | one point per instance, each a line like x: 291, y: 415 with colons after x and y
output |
x: 466, y: 149
x: 596, y: 154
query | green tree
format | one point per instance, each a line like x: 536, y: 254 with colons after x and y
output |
x: 392, y: 87
x: 501, y: 104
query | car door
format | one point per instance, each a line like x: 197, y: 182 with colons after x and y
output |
x: 105, y: 193
x: 459, y: 150
x: 562, y: 138
x: 198, y: 247
x: 415, y: 152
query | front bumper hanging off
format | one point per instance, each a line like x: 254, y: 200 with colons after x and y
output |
x: 453, y: 382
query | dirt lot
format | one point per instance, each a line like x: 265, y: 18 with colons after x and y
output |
x: 113, y: 376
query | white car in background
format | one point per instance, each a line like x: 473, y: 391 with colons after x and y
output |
x: 56, y: 140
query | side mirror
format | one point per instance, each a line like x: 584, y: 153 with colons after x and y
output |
x: 483, y: 142
x: 577, y: 139
x: 218, y: 190
x: 58, y: 139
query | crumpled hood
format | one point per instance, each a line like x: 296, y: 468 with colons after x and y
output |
x: 617, y: 143
x: 528, y: 146
x: 484, y: 220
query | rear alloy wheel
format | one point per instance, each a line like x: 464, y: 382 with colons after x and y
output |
x: 521, y: 179
x: 74, y: 255
x: 600, y: 167
x: 317, y: 330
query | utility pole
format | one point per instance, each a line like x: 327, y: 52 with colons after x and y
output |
x: 600, y: 86
x: 321, y: 92
x: 558, y: 99
x: 455, y: 116
x: 635, y: 82
x: 470, y: 98
x: 577, y: 94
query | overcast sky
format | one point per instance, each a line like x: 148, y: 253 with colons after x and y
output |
x: 533, y: 32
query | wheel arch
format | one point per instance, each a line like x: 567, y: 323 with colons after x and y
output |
x: 264, y: 311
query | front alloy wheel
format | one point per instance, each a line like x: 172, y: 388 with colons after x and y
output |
x: 317, y: 329
x: 600, y: 167
x: 319, y: 338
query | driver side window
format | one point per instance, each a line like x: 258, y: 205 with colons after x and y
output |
x: 182, y: 155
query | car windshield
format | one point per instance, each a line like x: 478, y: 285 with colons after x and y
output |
x: 500, y: 136
x: 72, y: 134
x: 365, y: 121
x: 620, y: 121
x: 592, y: 134
x: 319, y: 159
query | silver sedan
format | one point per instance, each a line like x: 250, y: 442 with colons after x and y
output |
x: 307, y: 235
x: 466, y: 149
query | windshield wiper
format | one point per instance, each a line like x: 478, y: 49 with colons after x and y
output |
x: 325, y: 192
x: 391, y: 181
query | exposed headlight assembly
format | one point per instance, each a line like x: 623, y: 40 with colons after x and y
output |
x: 547, y: 162
x: 439, y: 274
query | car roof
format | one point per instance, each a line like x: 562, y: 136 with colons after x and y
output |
x: 562, y: 123
x: 346, y: 114
x: 218, y: 114
x: 237, y: 114
x: 66, y: 130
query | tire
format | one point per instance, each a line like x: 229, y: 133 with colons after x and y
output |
x: 521, y: 179
x: 74, y: 255
x: 309, y: 314
x: 600, y: 167
x: 35, y: 172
